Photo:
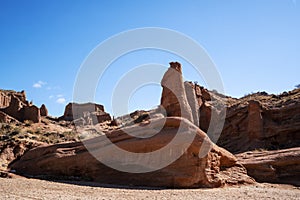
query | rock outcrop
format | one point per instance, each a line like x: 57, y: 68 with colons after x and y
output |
x: 192, y: 101
x: 15, y: 105
x: 43, y: 110
x: 278, y: 166
x: 262, y: 121
x: 5, y: 118
x: 255, y: 121
x: 5, y: 97
x: 14, y: 108
x: 31, y: 113
x: 91, y: 113
x: 174, y: 98
x: 10, y: 151
x: 215, y: 168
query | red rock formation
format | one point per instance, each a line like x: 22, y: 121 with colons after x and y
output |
x: 92, y: 113
x: 12, y: 150
x: 76, y: 110
x: 102, y: 117
x: 278, y: 166
x: 43, y: 110
x: 5, y: 118
x: 268, y: 123
x: 198, y: 94
x: 31, y: 113
x: 255, y: 120
x: 192, y: 101
x: 18, y: 107
x: 174, y: 99
x: 215, y: 169
x: 4, y: 100
x: 14, y: 108
x: 5, y: 97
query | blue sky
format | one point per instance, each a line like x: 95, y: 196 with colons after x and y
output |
x: 255, y: 44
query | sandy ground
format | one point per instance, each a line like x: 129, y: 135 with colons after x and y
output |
x: 22, y: 188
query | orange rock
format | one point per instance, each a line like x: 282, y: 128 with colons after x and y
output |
x: 278, y: 166
x: 215, y: 168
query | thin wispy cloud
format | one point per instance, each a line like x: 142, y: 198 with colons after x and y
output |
x: 61, y: 100
x: 39, y: 84
x: 53, y: 88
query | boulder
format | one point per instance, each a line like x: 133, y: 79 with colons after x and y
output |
x: 43, y: 111
x: 199, y: 164
x: 278, y: 166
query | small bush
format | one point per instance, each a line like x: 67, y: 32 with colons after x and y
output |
x: 28, y: 122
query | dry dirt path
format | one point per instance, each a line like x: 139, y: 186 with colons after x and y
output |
x: 21, y: 188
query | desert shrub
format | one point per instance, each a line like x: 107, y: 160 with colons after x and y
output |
x: 38, y: 131
x: 28, y: 122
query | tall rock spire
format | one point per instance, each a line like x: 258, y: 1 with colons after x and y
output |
x: 174, y: 97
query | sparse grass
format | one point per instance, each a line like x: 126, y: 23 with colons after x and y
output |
x: 16, y: 132
x: 28, y: 123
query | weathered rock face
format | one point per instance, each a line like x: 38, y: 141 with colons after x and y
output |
x: 217, y: 167
x: 278, y: 166
x: 174, y: 98
x: 255, y: 121
x: 4, y: 100
x: 10, y: 151
x: 16, y: 106
x: 192, y: 100
x: 43, y: 110
x: 5, y: 97
x: 76, y: 110
x: 269, y: 122
x: 91, y: 113
x: 5, y: 118
x: 31, y: 113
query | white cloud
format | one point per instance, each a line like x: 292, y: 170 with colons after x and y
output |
x: 61, y: 100
x: 59, y: 95
x: 39, y: 84
x: 53, y: 88
x: 51, y: 96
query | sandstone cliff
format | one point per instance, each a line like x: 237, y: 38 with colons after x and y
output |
x: 15, y: 105
x: 259, y: 121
